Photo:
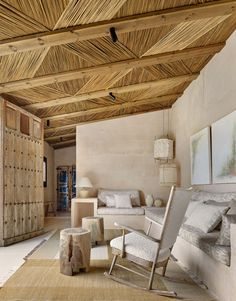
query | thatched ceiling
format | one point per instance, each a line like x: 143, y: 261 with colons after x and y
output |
x: 58, y: 60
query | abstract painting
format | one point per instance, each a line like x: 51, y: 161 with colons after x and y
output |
x: 200, y: 157
x: 224, y: 149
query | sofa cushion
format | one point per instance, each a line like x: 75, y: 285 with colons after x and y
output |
x: 102, y: 193
x: 110, y: 201
x: 155, y: 214
x: 224, y: 238
x: 123, y: 201
x: 206, y: 217
x: 206, y: 242
x: 121, y: 211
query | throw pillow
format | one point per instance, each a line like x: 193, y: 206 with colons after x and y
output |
x: 224, y: 238
x: 123, y: 201
x: 232, y: 210
x: 231, y: 204
x: 191, y: 206
x: 110, y: 201
x: 215, y: 203
x: 206, y: 217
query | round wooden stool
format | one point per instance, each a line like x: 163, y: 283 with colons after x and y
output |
x: 96, y: 226
x: 75, y: 248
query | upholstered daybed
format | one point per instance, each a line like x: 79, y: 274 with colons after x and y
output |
x: 212, y: 263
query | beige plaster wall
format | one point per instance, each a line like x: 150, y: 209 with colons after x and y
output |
x: 118, y: 153
x: 49, y: 195
x: 210, y: 97
x: 65, y: 156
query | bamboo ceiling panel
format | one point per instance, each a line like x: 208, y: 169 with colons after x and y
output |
x: 15, y: 23
x: 146, y: 69
x: 103, y: 50
x: 184, y: 34
x: 59, y: 59
x: 21, y: 65
x: 133, y: 7
x: 45, y: 12
x: 88, y: 11
x: 103, y: 81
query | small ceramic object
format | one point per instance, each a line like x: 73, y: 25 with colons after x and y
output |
x: 149, y: 200
x: 158, y: 203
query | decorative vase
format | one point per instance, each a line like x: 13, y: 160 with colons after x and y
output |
x: 84, y: 194
x: 149, y: 200
x: 158, y: 203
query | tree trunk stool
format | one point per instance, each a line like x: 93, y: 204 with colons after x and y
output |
x: 96, y: 226
x: 75, y: 248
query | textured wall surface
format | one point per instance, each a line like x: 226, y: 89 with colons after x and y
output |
x: 210, y: 97
x: 119, y: 153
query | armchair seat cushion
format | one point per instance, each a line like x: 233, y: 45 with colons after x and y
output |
x: 140, y: 247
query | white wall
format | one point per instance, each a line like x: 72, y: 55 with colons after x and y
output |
x: 210, y: 97
x: 118, y: 153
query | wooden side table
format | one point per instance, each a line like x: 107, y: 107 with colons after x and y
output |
x: 95, y: 225
x: 81, y: 208
x: 75, y: 248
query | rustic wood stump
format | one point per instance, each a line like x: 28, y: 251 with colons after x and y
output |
x: 75, y: 247
x: 96, y: 226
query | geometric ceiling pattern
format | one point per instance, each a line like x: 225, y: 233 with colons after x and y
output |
x: 58, y: 59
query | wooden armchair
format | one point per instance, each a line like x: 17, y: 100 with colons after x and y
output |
x: 144, y: 250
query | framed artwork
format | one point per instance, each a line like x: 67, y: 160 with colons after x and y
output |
x: 200, y: 157
x: 224, y: 149
x: 45, y: 172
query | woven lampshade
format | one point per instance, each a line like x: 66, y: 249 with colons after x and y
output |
x: 168, y: 174
x: 163, y: 149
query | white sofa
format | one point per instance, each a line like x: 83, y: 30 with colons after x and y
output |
x: 214, y: 265
x: 133, y: 217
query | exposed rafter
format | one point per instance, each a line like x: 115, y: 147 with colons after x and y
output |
x: 122, y: 25
x: 114, y: 107
x: 162, y: 105
x: 64, y: 142
x: 111, y: 67
x: 49, y: 139
x: 103, y: 93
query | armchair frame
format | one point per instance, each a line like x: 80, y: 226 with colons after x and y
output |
x: 148, y: 266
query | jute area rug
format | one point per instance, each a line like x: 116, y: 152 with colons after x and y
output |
x: 40, y: 280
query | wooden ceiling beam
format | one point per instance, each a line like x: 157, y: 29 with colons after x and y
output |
x: 104, y: 93
x: 145, y: 61
x: 63, y: 142
x: 113, y: 107
x: 52, y: 138
x: 164, y: 102
x: 64, y: 145
x: 122, y: 25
